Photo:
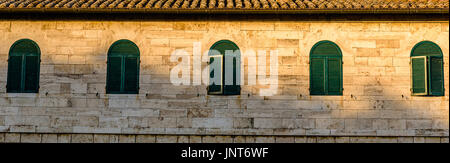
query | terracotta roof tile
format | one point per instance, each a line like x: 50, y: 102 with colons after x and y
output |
x: 226, y: 4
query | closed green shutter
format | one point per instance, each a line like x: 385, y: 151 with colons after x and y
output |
x: 131, y: 75
x: 113, y: 84
x: 436, y: 76
x: 317, y: 77
x: 215, y: 63
x: 334, y: 81
x: 14, y: 74
x: 123, y: 68
x: 419, y: 75
x: 31, y: 74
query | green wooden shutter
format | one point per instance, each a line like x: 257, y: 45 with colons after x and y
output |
x: 426, y: 48
x: 234, y: 89
x: 113, y: 84
x: 317, y: 78
x: 31, y: 74
x: 14, y: 74
x: 325, y: 48
x: 436, y: 79
x: 419, y: 75
x: 334, y: 81
x: 131, y: 75
x: 215, y: 62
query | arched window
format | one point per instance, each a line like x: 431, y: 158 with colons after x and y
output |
x: 123, y: 68
x: 427, y: 73
x: 325, y: 69
x: 23, y: 67
x: 225, y: 62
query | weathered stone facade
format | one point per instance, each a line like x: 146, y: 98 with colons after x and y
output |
x: 376, y: 101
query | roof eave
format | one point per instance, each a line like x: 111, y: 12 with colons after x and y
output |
x: 227, y: 11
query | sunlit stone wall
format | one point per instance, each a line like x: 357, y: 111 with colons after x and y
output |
x: 376, y: 99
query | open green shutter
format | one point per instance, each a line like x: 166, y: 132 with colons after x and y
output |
x: 419, y: 75
x: 131, y: 75
x: 334, y: 82
x: 317, y: 78
x: 114, y: 74
x: 14, y: 74
x: 215, y: 64
x: 436, y: 76
x: 31, y: 74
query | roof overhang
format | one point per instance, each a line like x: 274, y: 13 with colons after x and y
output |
x: 226, y: 11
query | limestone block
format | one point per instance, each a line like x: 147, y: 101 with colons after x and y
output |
x: 419, y: 139
x: 195, y: 139
x: 363, y: 44
x: 77, y: 59
x: 362, y: 124
x: 27, y: 120
x: 2, y: 137
x: 156, y: 26
x: 432, y: 140
x: 242, y: 122
x: 264, y: 139
x: 172, y: 113
x: 367, y: 52
x: 288, y: 139
x: 257, y: 26
x: 311, y: 139
x: 330, y: 123
x: 64, y: 69
x: 30, y: 138
x: 166, y: 139
x: 342, y: 139
x: 101, y: 138
x: 291, y: 26
x: 64, y: 138
x: 190, y: 26
x: 298, y: 139
x: 12, y: 138
x: 388, y: 43
x: 287, y: 43
x: 183, y: 139
x: 114, y: 138
x: 239, y: 139
x: 145, y: 139
x: 405, y: 140
x: 418, y: 124
x: 267, y: 123
x: 212, y: 122
x: 82, y: 138
x: 113, y: 122
x: 380, y: 61
x: 83, y: 69
x: 127, y: 139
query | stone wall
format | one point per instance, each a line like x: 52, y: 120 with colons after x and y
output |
x: 149, y: 138
x: 376, y: 100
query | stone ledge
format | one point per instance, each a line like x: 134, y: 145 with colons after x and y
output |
x: 136, y: 138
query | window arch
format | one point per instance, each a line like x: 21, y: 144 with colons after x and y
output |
x: 123, y: 68
x: 224, y: 62
x: 325, y: 69
x: 427, y: 73
x: 23, y: 67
